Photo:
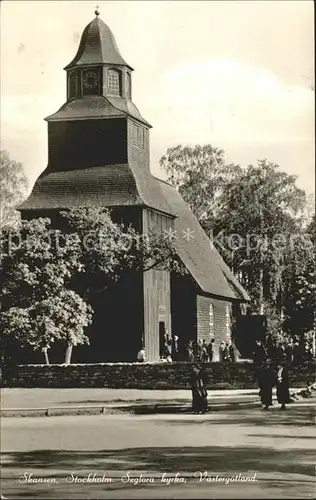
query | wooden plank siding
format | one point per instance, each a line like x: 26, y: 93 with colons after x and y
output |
x: 156, y: 289
x: 220, y: 330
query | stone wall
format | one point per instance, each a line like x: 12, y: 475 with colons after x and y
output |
x: 143, y: 376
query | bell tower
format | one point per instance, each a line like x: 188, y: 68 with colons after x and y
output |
x: 98, y: 69
x: 98, y: 142
x: 98, y: 155
x: 98, y: 122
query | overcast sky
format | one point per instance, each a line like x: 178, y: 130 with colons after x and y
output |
x: 237, y: 75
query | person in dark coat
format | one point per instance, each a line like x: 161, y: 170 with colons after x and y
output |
x: 266, y: 382
x: 199, y: 391
x: 232, y: 352
x: 282, y: 385
x: 280, y: 353
x: 260, y: 353
x: 270, y: 347
x: 210, y: 350
x: 296, y: 353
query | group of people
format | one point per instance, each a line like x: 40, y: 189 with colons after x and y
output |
x: 270, y: 375
x: 271, y: 371
x: 203, y: 352
x: 292, y: 352
x: 169, y: 349
x: 194, y: 351
x: 199, y: 351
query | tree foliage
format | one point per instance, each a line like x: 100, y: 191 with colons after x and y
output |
x: 299, y: 291
x: 50, y: 276
x: 257, y: 217
x: 13, y: 184
x: 201, y: 175
x: 260, y: 216
x: 107, y: 251
x: 62, y: 317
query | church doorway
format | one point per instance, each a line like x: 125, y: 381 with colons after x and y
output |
x: 162, y: 331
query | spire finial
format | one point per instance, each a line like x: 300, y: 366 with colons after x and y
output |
x: 97, y: 13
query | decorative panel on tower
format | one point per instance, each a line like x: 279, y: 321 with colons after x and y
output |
x: 91, y: 81
x: 73, y: 86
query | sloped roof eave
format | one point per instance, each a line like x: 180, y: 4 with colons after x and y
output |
x: 234, y: 294
x: 79, y: 64
x: 80, y: 109
x: 241, y: 300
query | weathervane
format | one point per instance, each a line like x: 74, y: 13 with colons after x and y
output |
x: 97, y: 13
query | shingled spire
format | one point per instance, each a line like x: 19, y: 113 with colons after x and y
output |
x: 99, y: 80
x: 97, y: 46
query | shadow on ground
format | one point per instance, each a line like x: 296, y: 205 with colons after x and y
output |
x: 171, y: 459
x: 293, y: 416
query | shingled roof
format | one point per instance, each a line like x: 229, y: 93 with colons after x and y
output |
x: 91, y: 107
x: 97, y: 46
x: 198, y: 254
x: 106, y: 185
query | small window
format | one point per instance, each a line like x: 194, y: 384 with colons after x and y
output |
x: 138, y: 136
x: 228, y: 320
x: 211, y: 318
x: 128, y: 85
x: 73, y: 84
x: 114, y: 83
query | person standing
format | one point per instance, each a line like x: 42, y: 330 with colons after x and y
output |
x: 282, y: 384
x: 260, y: 354
x: 210, y: 350
x: 205, y: 356
x: 296, y: 353
x: 199, y: 391
x: 226, y: 352
x: 167, y: 346
x: 266, y: 382
x: 199, y: 350
x: 190, y: 351
x: 175, y: 348
x: 280, y: 352
x: 222, y: 351
x: 232, y: 352
x: 270, y: 346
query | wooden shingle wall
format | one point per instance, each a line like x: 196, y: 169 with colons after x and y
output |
x: 216, y: 325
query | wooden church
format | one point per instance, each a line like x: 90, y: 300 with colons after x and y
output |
x: 98, y: 155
